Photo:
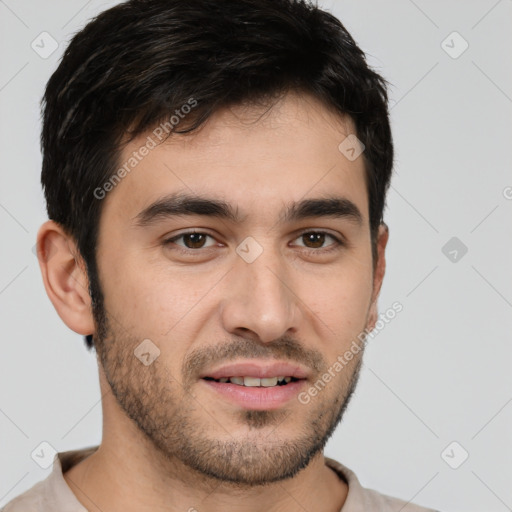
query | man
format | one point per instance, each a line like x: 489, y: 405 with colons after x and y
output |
x: 215, y: 174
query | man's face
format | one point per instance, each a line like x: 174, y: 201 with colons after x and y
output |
x: 262, y: 289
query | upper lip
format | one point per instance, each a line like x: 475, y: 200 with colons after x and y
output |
x: 258, y: 369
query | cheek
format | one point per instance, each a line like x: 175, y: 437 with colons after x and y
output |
x: 151, y: 298
x: 340, y: 302
x: 346, y: 307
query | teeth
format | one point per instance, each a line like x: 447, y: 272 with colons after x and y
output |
x: 255, y: 381
x: 252, y: 381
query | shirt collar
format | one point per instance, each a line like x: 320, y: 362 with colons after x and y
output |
x: 62, y: 497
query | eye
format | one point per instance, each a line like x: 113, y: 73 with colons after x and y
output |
x: 316, y: 239
x: 193, y: 240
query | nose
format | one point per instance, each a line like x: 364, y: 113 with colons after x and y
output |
x: 260, y: 298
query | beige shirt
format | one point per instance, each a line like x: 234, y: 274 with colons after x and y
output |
x: 54, y: 495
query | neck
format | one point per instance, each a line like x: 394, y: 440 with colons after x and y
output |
x: 116, y: 479
x: 127, y: 473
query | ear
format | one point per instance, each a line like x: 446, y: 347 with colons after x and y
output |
x: 65, y: 277
x: 378, y: 274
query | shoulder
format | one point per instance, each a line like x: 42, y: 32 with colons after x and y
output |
x: 360, y: 498
x: 374, y: 500
x: 52, y: 493
x: 29, y: 501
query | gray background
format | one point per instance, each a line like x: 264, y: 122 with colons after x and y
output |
x: 438, y: 373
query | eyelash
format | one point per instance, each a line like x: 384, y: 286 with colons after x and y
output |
x: 338, y: 243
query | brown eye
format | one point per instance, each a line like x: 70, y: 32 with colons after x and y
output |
x: 315, y: 240
x: 192, y: 240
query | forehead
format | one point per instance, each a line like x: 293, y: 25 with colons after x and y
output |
x: 254, y: 157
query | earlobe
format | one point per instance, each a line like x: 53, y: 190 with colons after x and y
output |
x: 65, y: 277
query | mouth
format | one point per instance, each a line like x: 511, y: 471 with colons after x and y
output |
x: 256, y: 382
x: 257, y: 385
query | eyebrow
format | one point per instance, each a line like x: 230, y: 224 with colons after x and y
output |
x: 186, y: 204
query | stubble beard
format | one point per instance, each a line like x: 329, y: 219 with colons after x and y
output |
x: 177, y: 425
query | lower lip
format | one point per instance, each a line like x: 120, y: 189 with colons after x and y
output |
x: 257, y: 398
